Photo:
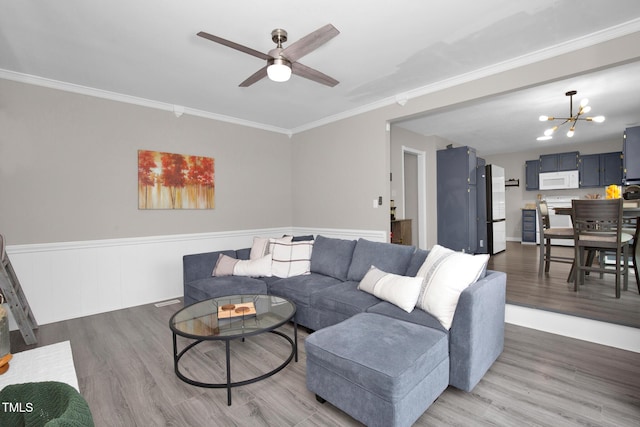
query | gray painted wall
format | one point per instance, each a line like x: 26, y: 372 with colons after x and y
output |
x: 339, y: 169
x: 68, y: 169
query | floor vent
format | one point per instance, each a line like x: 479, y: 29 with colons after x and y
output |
x: 172, y: 301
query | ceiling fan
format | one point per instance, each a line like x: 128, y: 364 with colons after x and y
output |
x: 282, y: 62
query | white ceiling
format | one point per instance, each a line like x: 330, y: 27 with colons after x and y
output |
x: 148, y: 50
x: 509, y: 123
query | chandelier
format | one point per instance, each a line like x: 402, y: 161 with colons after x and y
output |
x: 572, y: 119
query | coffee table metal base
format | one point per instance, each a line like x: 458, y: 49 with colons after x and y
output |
x: 177, y: 356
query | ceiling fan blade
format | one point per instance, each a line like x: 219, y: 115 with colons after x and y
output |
x: 310, y: 42
x: 258, y: 75
x: 312, y: 74
x: 234, y: 45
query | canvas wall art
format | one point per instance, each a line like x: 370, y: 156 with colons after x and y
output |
x: 175, y: 181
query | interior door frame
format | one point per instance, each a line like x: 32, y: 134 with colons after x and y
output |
x: 422, y: 193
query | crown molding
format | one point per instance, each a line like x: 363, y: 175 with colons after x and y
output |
x: 143, y: 102
x: 527, y: 59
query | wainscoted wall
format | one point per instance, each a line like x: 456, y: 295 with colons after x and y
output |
x: 74, y: 279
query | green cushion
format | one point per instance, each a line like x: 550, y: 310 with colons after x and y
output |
x: 48, y: 403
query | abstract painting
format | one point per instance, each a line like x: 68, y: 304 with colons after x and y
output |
x: 175, y: 181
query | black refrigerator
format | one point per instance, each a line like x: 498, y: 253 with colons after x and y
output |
x: 461, y: 200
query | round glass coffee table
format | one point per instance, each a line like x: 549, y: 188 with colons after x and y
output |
x: 232, y: 318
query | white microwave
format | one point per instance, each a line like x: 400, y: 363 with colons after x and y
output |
x: 558, y: 180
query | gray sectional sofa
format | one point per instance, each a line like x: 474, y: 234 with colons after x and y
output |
x: 329, y: 302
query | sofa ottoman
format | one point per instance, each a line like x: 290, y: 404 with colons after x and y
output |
x: 381, y: 371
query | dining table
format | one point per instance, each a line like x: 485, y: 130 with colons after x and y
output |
x: 627, y: 212
x: 630, y: 211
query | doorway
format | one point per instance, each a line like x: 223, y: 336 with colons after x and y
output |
x: 414, y: 194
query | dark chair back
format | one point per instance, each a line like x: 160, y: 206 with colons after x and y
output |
x: 597, y: 225
x: 597, y: 222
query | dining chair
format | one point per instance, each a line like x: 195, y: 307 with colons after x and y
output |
x: 597, y: 225
x: 630, y: 226
x: 546, y: 234
x: 634, y: 251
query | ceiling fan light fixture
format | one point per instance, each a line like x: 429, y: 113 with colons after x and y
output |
x: 282, y: 60
x: 279, y: 69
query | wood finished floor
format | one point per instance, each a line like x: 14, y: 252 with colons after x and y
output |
x: 124, y: 365
x: 594, y: 300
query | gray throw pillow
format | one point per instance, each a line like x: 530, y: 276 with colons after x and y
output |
x: 385, y: 256
x: 332, y: 257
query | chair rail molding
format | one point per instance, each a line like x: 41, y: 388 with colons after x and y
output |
x: 67, y: 280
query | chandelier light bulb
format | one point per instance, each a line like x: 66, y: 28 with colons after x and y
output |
x: 584, y: 102
x: 544, y: 138
x: 571, y: 132
x: 543, y: 118
x: 550, y: 131
x: 585, y: 110
x: 598, y: 119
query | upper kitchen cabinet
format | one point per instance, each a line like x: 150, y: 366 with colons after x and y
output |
x: 631, y: 155
x: 559, y: 162
x: 599, y: 170
x: 531, y: 173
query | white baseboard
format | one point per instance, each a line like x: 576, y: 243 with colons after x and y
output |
x: 623, y: 337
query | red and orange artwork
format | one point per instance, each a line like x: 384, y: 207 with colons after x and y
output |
x: 175, y: 181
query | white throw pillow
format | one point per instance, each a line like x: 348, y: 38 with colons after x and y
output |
x: 260, y: 267
x: 402, y: 291
x: 446, y: 274
x: 259, y: 248
x: 264, y: 245
x: 292, y: 258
